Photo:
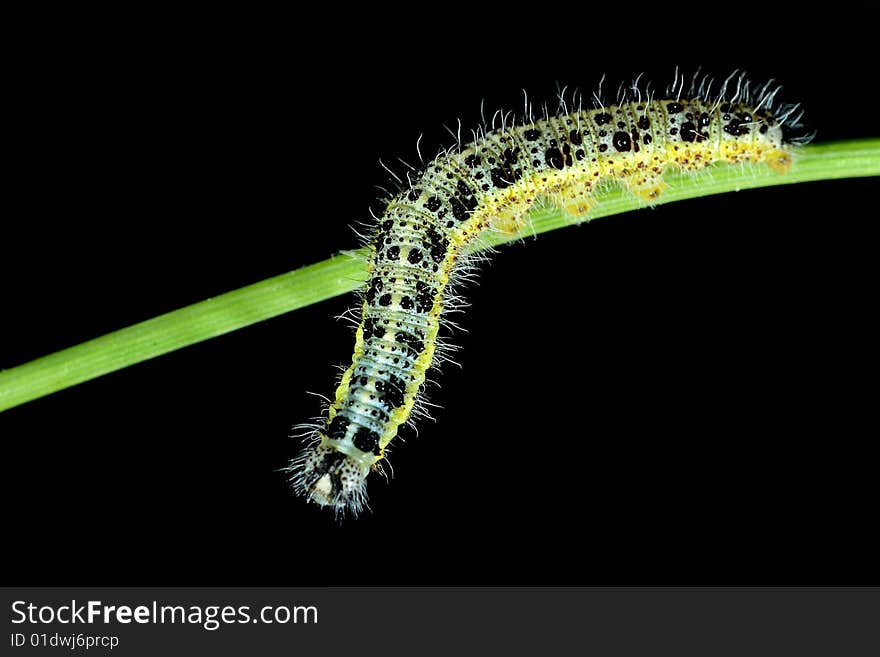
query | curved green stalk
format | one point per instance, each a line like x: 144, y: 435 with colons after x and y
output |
x: 341, y: 274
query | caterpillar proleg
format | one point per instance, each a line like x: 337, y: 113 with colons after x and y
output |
x: 421, y: 241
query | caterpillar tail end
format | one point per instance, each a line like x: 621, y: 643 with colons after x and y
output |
x: 330, y: 478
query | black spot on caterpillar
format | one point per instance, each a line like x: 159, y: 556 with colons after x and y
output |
x: 420, y: 242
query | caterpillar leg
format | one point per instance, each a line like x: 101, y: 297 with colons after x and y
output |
x: 778, y: 160
x: 575, y: 200
x: 511, y: 217
x: 646, y: 185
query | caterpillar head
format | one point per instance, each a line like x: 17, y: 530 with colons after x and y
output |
x: 330, y: 477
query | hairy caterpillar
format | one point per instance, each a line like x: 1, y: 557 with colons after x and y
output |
x: 422, y: 237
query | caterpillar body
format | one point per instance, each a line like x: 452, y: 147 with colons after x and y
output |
x: 422, y: 239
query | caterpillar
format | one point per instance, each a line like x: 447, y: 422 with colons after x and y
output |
x: 420, y: 244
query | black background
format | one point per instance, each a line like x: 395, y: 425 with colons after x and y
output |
x: 675, y: 396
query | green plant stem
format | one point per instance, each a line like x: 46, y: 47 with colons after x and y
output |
x: 341, y: 274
